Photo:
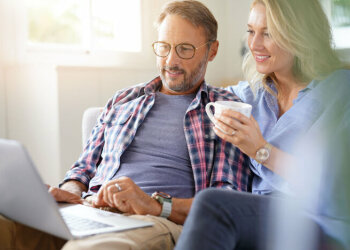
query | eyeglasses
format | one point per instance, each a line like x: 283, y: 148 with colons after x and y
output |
x: 183, y: 50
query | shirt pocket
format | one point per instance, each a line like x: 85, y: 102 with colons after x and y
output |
x: 117, y: 118
x: 119, y: 114
x: 115, y: 131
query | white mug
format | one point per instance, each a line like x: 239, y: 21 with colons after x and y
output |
x: 219, y: 106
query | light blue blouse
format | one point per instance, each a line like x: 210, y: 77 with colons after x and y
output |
x: 316, y: 129
x: 286, y: 131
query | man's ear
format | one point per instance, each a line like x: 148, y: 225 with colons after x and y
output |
x: 213, y: 50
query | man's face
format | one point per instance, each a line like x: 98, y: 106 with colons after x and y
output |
x: 182, y: 76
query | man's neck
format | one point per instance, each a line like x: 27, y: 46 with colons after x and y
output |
x: 193, y: 90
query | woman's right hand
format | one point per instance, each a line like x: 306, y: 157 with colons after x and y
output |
x: 240, y: 130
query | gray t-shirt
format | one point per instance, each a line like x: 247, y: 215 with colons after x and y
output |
x: 158, y: 158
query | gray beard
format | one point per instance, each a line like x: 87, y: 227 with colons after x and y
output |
x: 188, y: 82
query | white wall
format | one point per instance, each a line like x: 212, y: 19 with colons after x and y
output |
x: 7, y: 51
x: 2, y: 105
x: 232, y: 17
x: 28, y: 94
x: 32, y: 115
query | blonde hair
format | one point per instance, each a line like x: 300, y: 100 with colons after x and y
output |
x: 301, y: 28
x: 193, y: 11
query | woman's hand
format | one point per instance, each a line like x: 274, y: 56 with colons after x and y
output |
x: 240, y: 130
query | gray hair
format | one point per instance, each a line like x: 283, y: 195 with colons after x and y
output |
x: 193, y: 11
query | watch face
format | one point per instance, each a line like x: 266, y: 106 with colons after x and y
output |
x: 262, y: 154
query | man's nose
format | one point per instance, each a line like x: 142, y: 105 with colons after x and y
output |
x: 173, y: 58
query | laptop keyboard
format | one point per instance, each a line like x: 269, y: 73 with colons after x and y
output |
x: 81, y: 224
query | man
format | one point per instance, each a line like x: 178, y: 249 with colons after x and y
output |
x: 157, y: 137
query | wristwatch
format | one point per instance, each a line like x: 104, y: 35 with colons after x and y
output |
x: 263, y: 154
x: 166, y: 202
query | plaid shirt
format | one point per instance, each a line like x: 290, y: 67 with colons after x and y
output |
x: 215, y: 163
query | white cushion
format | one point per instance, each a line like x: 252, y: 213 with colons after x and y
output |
x: 89, y: 120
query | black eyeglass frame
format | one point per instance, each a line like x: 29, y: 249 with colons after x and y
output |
x: 176, y: 46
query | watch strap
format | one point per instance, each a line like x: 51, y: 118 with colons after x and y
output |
x: 166, y: 209
x: 166, y: 201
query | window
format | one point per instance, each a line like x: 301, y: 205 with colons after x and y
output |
x: 338, y: 12
x: 89, y: 25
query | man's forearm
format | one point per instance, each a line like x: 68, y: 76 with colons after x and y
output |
x: 74, y: 187
x: 180, y: 210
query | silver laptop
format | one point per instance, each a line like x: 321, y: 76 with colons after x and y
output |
x: 25, y: 199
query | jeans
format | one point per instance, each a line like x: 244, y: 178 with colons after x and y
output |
x: 226, y: 219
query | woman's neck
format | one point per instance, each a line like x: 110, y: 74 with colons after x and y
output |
x: 288, y: 88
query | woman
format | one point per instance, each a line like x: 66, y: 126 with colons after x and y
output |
x: 292, y: 70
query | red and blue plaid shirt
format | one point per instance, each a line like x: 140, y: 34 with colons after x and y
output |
x: 215, y: 163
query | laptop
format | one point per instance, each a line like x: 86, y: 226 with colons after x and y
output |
x: 25, y: 199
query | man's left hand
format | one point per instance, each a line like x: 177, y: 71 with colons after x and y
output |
x: 61, y: 195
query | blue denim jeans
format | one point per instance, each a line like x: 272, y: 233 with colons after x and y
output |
x: 226, y: 219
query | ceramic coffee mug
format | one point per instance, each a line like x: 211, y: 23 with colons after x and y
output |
x: 219, y: 106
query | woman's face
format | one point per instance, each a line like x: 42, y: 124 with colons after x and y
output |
x: 269, y: 57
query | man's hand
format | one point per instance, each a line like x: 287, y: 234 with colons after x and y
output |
x: 69, y: 192
x: 91, y: 200
x: 61, y: 195
x: 129, y: 198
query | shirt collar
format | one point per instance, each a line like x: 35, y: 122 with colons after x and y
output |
x: 202, y: 89
x: 153, y: 86
x: 271, y: 85
x: 310, y: 86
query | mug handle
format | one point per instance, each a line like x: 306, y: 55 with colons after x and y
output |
x: 211, y: 116
x: 209, y: 113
